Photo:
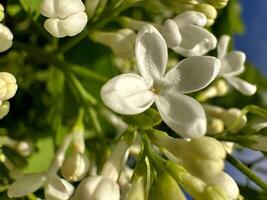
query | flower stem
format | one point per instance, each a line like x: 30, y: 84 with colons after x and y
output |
x: 247, y: 171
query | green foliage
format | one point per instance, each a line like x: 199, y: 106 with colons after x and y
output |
x: 146, y: 119
x: 32, y: 7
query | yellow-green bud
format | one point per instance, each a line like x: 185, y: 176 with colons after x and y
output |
x: 165, y: 187
x: 221, y: 87
x: 4, y: 109
x: 137, y: 191
x: 226, y: 183
x: 219, y: 4
x: 204, y: 157
x: 193, y: 185
x: 208, y: 10
x: 230, y: 118
x: 213, y: 193
x: 215, y: 126
x: 75, y: 167
x: 1, y: 12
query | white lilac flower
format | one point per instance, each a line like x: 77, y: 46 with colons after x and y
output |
x: 8, y: 86
x: 6, y: 38
x: 131, y: 94
x: 65, y: 18
x: 55, y: 188
x: 232, y: 66
x: 186, y: 35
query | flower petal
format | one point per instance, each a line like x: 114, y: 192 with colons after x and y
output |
x: 26, y: 185
x: 191, y: 17
x: 193, y: 74
x: 151, y: 52
x: 242, y: 86
x: 57, y: 188
x: 196, y: 41
x: 127, y: 94
x: 222, y: 46
x: 183, y: 114
x: 233, y: 63
x: 171, y: 33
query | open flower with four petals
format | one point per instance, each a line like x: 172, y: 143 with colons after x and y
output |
x: 132, y: 94
x: 232, y: 66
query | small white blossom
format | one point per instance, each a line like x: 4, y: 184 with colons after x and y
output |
x: 65, y: 18
x: 55, y: 188
x: 186, y: 36
x: 97, y: 187
x: 132, y: 94
x: 8, y: 86
x: 232, y: 66
x: 6, y: 38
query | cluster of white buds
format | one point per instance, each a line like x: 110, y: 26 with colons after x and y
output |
x: 224, y: 118
x: 8, y: 88
x: 6, y: 36
x: 104, y: 186
x: 203, y: 157
x: 55, y: 188
x: 65, y: 18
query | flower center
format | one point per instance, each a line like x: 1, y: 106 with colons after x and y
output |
x: 155, y: 90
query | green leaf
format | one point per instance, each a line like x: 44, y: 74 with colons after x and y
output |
x: 40, y: 161
x: 146, y: 119
x: 32, y: 7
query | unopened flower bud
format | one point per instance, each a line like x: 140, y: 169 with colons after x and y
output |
x: 213, y: 193
x: 25, y: 148
x: 208, y: 10
x: 204, y: 157
x: 192, y: 185
x: 165, y: 187
x: 122, y: 42
x: 219, y: 4
x: 8, y: 85
x: 227, y: 183
x: 97, y: 187
x: 215, y: 126
x: 221, y: 87
x: 75, y: 167
x: 137, y: 190
x: 1, y: 12
x: 228, y: 146
x: 65, y: 18
x: 230, y: 118
x: 6, y: 38
x: 4, y: 109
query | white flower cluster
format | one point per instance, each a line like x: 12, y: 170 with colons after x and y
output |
x: 65, y: 18
x: 8, y: 86
x: 6, y: 36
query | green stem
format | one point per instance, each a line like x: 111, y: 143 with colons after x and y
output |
x: 54, y: 60
x: 247, y: 171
